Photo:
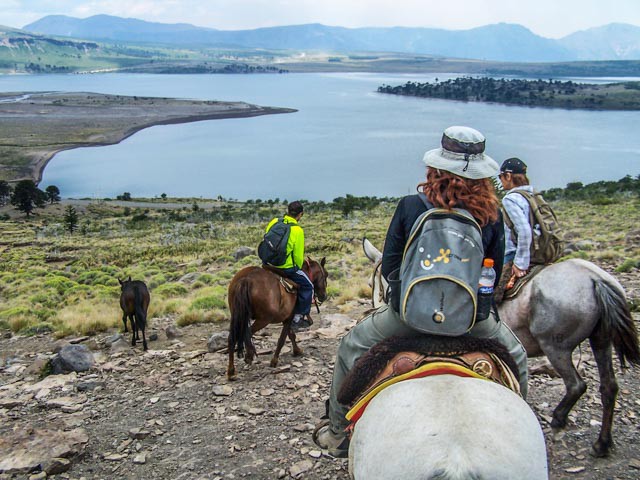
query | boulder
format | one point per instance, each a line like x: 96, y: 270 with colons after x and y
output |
x: 242, y: 252
x: 72, y: 358
x: 172, y: 332
x: 189, y: 278
x: 28, y: 449
x: 218, y: 341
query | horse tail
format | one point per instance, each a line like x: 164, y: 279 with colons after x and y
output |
x: 138, y: 309
x: 616, y: 322
x: 239, y: 330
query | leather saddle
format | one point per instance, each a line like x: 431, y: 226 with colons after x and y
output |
x: 287, y: 285
x: 522, y: 281
x: 389, y: 362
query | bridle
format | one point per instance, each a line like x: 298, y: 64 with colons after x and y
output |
x: 307, y: 262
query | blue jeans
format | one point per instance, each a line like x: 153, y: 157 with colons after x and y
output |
x: 305, y: 289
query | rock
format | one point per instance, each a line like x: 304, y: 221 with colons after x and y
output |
x: 315, y: 453
x: 222, y: 390
x: 56, y: 465
x: 27, y: 448
x: 72, y: 358
x: 112, y: 339
x: 242, y: 252
x: 153, y: 337
x: 172, y: 332
x: 190, y: 278
x: 120, y: 345
x: 138, y: 433
x: 75, y: 341
x: 59, y: 345
x: 574, y: 469
x: 88, y: 386
x: 115, y: 457
x: 140, y: 459
x: 10, y: 403
x: 38, y: 476
x: 218, y: 341
x: 37, y: 366
x: 300, y: 467
x: 635, y: 463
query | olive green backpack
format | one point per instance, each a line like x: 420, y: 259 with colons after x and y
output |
x: 547, y: 244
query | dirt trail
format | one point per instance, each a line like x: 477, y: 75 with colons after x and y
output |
x: 171, y: 414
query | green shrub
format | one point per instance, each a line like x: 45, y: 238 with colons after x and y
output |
x: 14, y: 312
x: 628, y: 265
x: 157, y: 280
x: 171, y: 290
x: 209, y: 303
x: 59, y: 283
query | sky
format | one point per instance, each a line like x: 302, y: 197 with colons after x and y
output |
x: 549, y: 18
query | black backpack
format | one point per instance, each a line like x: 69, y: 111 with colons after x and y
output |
x: 273, y: 247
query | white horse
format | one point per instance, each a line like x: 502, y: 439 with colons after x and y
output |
x: 566, y: 303
x: 446, y: 428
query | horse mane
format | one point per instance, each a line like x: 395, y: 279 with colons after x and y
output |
x: 375, y: 360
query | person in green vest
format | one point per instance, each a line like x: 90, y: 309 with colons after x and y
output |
x: 292, y: 267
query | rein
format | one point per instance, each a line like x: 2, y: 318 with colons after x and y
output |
x: 307, y: 262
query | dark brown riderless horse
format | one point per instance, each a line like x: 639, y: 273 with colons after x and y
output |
x: 256, y: 293
x: 134, y: 301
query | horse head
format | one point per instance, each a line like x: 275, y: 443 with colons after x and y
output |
x: 318, y: 275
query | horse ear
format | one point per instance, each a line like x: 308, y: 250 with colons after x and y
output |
x: 129, y: 278
x: 322, y: 262
x: 120, y: 282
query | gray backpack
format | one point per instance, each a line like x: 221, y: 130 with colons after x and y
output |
x: 440, y: 272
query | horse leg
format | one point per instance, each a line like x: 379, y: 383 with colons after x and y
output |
x: 144, y: 338
x: 134, y: 330
x: 297, y: 351
x: 124, y: 320
x: 231, y: 368
x: 286, y: 327
x: 608, y: 392
x: 574, y: 384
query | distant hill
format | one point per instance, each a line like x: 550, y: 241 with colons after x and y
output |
x: 614, y: 41
x: 499, y: 42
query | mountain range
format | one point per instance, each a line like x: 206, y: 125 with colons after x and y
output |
x: 497, y: 42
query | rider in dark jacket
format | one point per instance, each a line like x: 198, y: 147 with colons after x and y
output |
x: 457, y: 177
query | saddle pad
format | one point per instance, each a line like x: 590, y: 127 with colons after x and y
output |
x: 434, y: 368
x: 522, y: 281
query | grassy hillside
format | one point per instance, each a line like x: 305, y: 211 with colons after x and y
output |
x: 51, y: 280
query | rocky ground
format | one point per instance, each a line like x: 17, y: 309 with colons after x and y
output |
x: 170, y: 413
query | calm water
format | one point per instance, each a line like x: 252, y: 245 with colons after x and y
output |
x: 345, y: 138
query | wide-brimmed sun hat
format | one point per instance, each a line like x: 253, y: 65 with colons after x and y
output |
x: 462, y: 153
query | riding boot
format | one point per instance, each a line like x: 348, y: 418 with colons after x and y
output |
x: 501, y: 287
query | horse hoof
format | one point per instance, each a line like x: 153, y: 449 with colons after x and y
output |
x: 274, y: 362
x: 297, y: 352
x: 558, y: 424
x: 600, y: 449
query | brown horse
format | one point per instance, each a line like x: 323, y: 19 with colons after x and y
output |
x: 256, y: 293
x: 134, y: 301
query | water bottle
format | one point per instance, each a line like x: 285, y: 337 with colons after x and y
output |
x: 485, y: 289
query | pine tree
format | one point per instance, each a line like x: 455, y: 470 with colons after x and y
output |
x: 70, y: 219
x: 27, y: 196
x: 53, y: 193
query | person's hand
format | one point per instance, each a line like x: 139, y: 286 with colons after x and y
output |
x: 519, y: 273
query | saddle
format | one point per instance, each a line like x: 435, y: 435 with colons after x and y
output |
x: 288, y: 285
x: 399, y: 358
x: 522, y: 281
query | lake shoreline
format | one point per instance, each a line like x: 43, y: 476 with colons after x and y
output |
x: 31, y: 157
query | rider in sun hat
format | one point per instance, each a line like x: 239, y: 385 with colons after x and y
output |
x: 458, y: 175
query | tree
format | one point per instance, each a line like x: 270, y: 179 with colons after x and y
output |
x: 70, y: 219
x: 26, y: 196
x: 53, y: 193
x: 5, y: 192
x: 163, y: 196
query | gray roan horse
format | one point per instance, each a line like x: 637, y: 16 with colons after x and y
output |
x: 566, y: 303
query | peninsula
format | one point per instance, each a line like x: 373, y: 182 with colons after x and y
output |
x: 534, y: 93
x: 36, y: 126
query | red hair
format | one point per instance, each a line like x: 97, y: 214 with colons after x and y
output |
x: 446, y: 190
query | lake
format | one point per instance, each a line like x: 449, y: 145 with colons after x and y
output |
x: 345, y: 138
